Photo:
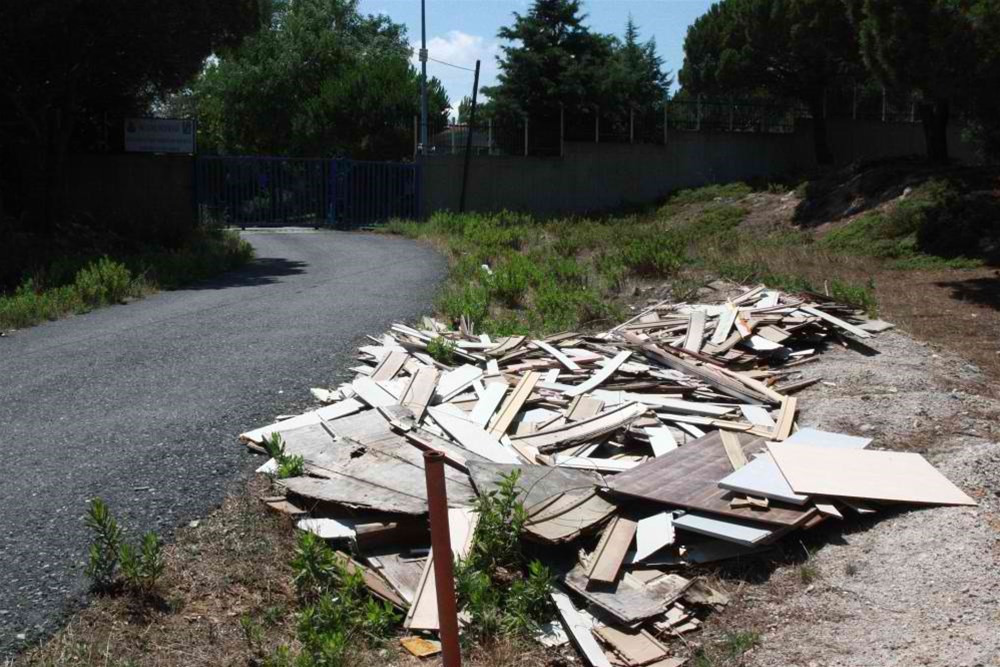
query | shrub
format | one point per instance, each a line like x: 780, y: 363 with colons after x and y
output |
x: 288, y: 465
x: 653, y: 254
x: 442, y: 350
x: 142, y: 566
x: 512, y: 277
x: 104, y: 282
x: 102, y: 563
x: 471, y: 300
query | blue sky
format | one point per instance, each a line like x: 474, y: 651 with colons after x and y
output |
x: 459, y: 31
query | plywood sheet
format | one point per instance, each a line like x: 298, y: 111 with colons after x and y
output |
x: 610, y: 552
x: 423, y: 614
x: 862, y: 473
x: 761, y: 477
x: 689, y: 478
x: 652, y: 534
x: 622, y: 600
x: 818, y: 438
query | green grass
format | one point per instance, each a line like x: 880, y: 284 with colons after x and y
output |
x: 80, y: 284
x: 728, y: 651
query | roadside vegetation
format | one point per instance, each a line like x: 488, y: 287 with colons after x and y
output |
x: 110, y: 273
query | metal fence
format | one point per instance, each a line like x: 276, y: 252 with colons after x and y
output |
x: 270, y: 191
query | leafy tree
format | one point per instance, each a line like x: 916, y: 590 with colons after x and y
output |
x: 73, y: 68
x: 636, y: 78
x: 551, y: 59
x: 791, y: 49
x: 321, y: 80
x: 465, y: 109
x: 934, y: 47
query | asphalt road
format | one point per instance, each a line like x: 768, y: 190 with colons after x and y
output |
x: 141, y: 404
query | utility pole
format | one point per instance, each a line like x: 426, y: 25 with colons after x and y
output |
x: 470, y: 126
x: 423, y: 79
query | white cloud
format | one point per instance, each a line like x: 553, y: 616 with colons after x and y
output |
x: 462, y: 49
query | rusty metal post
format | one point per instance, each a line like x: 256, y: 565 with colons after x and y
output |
x: 444, y: 577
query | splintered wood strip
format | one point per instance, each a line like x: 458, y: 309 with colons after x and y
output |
x: 417, y: 395
x: 786, y: 418
x: 636, y: 647
x: 558, y: 355
x: 512, y: 405
x: 726, y: 320
x: 390, y: 365
x: 375, y: 583
x: 582, y: 431
x: 734, y: 450
x: 579, y: 630
x: 601, y: 376
x: 423, y: 614
x: 488, y: 401
x: 696, y: 332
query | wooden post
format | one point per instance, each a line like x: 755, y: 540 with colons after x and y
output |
x: 444, y: 577
x: 489, y: 141
x: 562, y: 128
x: 885, y: 104
x: 666, y: 121
x: 525, y: 136
x: 597, y: 125
x: 416, y: 136
x: 631, y: 126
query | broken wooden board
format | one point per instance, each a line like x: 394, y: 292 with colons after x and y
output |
x: 557, y: 355
x: 420, y: 647
x: 489, y: 400
x: 579, y: 629
x: 741, y: 532
x: 762, y: 477
x: 403, y: 574
x: 661, y: 440
x: 731, y: 443
x: 390, y: 365
x: 418, y: 393
x: 696, y: 332
x: 561, y: 503
x: 512, y: 405
x: 600, y: 377
x: 865, y: 474
x: 473, y: 437
x: 423, y: 614
x: 610, y: 552
x: 818, y: 438
x: 636, y: 647
x: 373, y: 393
x: 456, y: 381
x: 629, y: 605
x: 836, y: 321
x: 652, y: 534
x: 786, y: 418
x: 376, y: 584
x: 334, y: 411
x: 689, y: 478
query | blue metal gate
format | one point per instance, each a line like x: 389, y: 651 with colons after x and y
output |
x: 269, y: 191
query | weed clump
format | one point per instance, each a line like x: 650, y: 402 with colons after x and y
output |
x: 500, y: 591
x: 442, y: 350
x: 288, y: 465
x: 140, y: 566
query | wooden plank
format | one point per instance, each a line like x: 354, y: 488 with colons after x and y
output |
x: 865, y: 474
x: 600, y: 376
x: 557, y: 355
x: 390, y: 365
x: 786, y: 418
x: 584, y: 407
x: 610, y: 552
x: 473, y: 437
x: 731, y: 443
x: 423, y: 614
x: 372, y: 394
x: 624, y: 601
x: 595, y: 464
x: 579, y: 631
x: 417, y: 395
x: 376, y: 584
x: 636, y: 647
x: 696, y: 332
x: 818, y: 438
x: 455, y: 382
x: 573, y: 433
x: 512, y: 406
x: 689, y: 478
x: 724, y: 325
x: 489, y: 400
x: 757, y: 415
x: 836, y: 321
x: 652, y: 534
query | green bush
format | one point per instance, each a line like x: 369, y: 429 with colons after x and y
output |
x: 141, y: 566
x: 656, y: 254
x: 499, y: 592
x: 512, y: 278
x: 288, y: 465
x: 442, y: 350
x: 471, y: 300
x: 104, y: 282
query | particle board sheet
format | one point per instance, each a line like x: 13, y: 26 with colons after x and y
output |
x: 372, y: 393
x: 652, y: 534
x: 610, y: 552
x: 456, y: 381
x: 489, y: 401
x: 741, y: 532
x: 761, y: 477
x: 836, y: 321
x: 636, y: 647
x: 865, y: 474
x: 689, y: 478
x: 625, y: 602
x: 423, y: 613
x: 567, y: 435
x: 389, y: 366
x: 561, y: 503
x: 579, y: 629
x: 557, y: 354
x: 601, y: 376
x: 661, y: 439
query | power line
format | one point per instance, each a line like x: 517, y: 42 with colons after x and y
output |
x: 467, y: 69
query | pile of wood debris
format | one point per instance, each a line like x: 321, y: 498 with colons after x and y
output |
x: 651, y: 449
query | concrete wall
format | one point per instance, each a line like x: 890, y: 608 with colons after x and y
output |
x: 147, y: 196
x: 595, y: 177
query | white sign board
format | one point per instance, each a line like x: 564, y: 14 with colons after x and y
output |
x: 159, y: 135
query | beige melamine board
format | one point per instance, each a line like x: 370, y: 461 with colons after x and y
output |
x: 423, y: 614
x: 390, y: 365
x: 513, y: 403
x: 600, y: 376
x: 862, y: 473
x: 734, y: 450
x: 581, y: 431
x: 696, y: 332
x: 557, y: 355
x: 419, y: 391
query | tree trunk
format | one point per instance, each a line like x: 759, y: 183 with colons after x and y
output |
x: 935, y: 115
x: 822, y: 148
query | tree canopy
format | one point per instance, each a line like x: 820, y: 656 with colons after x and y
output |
x: 320, y: 80
x: 552, y: 58
x: 791, y: 49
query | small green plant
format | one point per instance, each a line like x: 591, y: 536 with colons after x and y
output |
x: 104, y: 282
x: 808, y: 573
x: 102, y: 562
x: 288, y: 465
x: 339, y: 617
x: 442, y: 350
x: 728, y: 651
x: 140, y: 565
x: 500, y: 593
